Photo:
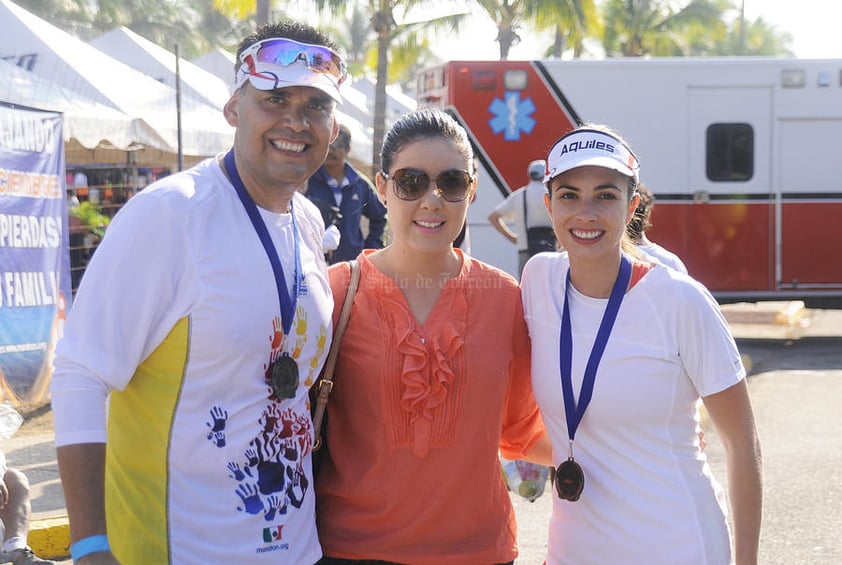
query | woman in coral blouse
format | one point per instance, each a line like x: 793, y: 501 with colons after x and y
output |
x: 433, y: 376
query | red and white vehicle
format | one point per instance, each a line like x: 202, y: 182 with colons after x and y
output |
x: 744, y: 156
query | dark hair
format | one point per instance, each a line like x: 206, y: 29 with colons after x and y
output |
x: 424, y: 124
x: 288, y: 29
x: 343, y: 138
x: 640, y: 222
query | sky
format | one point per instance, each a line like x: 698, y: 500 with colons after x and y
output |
x: 813, y: 24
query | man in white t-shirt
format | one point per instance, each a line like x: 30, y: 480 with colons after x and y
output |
x: 525, y: 209
x: 202, y: 321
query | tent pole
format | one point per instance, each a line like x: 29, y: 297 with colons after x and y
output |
x: 178, y: 108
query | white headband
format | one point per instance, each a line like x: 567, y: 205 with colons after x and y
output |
x: 583, y: 147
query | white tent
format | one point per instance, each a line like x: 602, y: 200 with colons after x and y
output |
x: 397, y: 103
x: 90, y: 124
x: 219, y: 63
x: 69, y: 62
x: 139, y: 53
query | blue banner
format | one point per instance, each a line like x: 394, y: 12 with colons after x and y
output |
x: 34, y: 256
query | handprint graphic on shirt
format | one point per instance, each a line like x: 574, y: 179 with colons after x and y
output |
x: 219, y: 417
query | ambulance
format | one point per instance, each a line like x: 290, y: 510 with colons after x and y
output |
x: 744, y: 156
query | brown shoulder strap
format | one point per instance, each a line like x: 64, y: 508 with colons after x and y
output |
x: 326, y: 382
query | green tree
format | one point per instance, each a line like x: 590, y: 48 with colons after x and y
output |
x: 571, y: 21
x: 195, y: 25
x: 511, y: 16
x: 508, y: 16
x: 634, y: 28
x: 244, y: 9
x: 354, y: 34
x: 756, y: 38
x: 388, y: 19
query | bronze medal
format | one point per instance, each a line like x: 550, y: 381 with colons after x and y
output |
x: 569, y: 480
x: 283, y: 377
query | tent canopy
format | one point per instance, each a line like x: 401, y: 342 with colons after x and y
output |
x: 89, y: 123
x: 55, y: 55
x: 139, y: 53
x: 219, y: 63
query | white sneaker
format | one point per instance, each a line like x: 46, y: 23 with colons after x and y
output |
x: 23, y: 557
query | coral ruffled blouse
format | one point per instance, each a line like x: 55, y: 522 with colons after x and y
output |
x: 417, y: 416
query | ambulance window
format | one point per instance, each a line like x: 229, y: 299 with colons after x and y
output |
x: 484, y: 80
x: 730, y: 152
x: 515, y: 79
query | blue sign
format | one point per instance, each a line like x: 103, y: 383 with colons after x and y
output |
x: 34, y: 257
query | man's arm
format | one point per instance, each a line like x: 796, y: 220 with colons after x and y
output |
x: 82, y: 470
x: 495, y: 218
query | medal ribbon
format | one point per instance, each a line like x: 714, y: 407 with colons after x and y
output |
x: 287, y: 302
x: 573, y: 411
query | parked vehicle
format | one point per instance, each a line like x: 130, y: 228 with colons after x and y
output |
x: 743, y: 155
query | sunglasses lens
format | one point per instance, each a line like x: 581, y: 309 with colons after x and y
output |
x: 453, y: 185
x: 410, y: 184
x: 283, y: 52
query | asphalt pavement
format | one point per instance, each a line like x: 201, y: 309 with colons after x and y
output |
x: 795, y: 382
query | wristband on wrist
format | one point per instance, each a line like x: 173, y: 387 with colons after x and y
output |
x: 86, y: 546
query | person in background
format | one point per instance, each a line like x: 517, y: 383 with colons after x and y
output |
x: 432, y: 376
x: 80, y: 184
x: 206, y: 366
x: 640, y: 223
x: 330, y: 218
x: 624, y: 352
x: 15, y: 512
x: 338, y: 184
x: 525, y: 209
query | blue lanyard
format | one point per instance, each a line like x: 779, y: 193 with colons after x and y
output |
x: 574, y: 412
x: 287, y: 302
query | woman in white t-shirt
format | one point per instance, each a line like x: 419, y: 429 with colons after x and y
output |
x: 623, y: 350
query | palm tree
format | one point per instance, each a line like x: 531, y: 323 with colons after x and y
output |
x: 355, y: 36
x: 508, y: 16
x: 571, y: 21
x: 757, y: 38
x: 384, y: 17
x: 634, y: 28
x: 195, y: 24
x: 242, y: 9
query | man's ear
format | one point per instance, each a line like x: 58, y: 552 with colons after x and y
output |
x: 230, y: 110
x: 548, y: 204
x: 335, y: 133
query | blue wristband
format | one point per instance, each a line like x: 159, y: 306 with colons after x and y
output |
x: 86, y: 546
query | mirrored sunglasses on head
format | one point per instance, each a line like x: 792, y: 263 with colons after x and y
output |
x: 411, y: 184
x: 284, y: 52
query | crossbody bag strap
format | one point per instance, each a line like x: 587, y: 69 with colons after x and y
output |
x: 326, y: 382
